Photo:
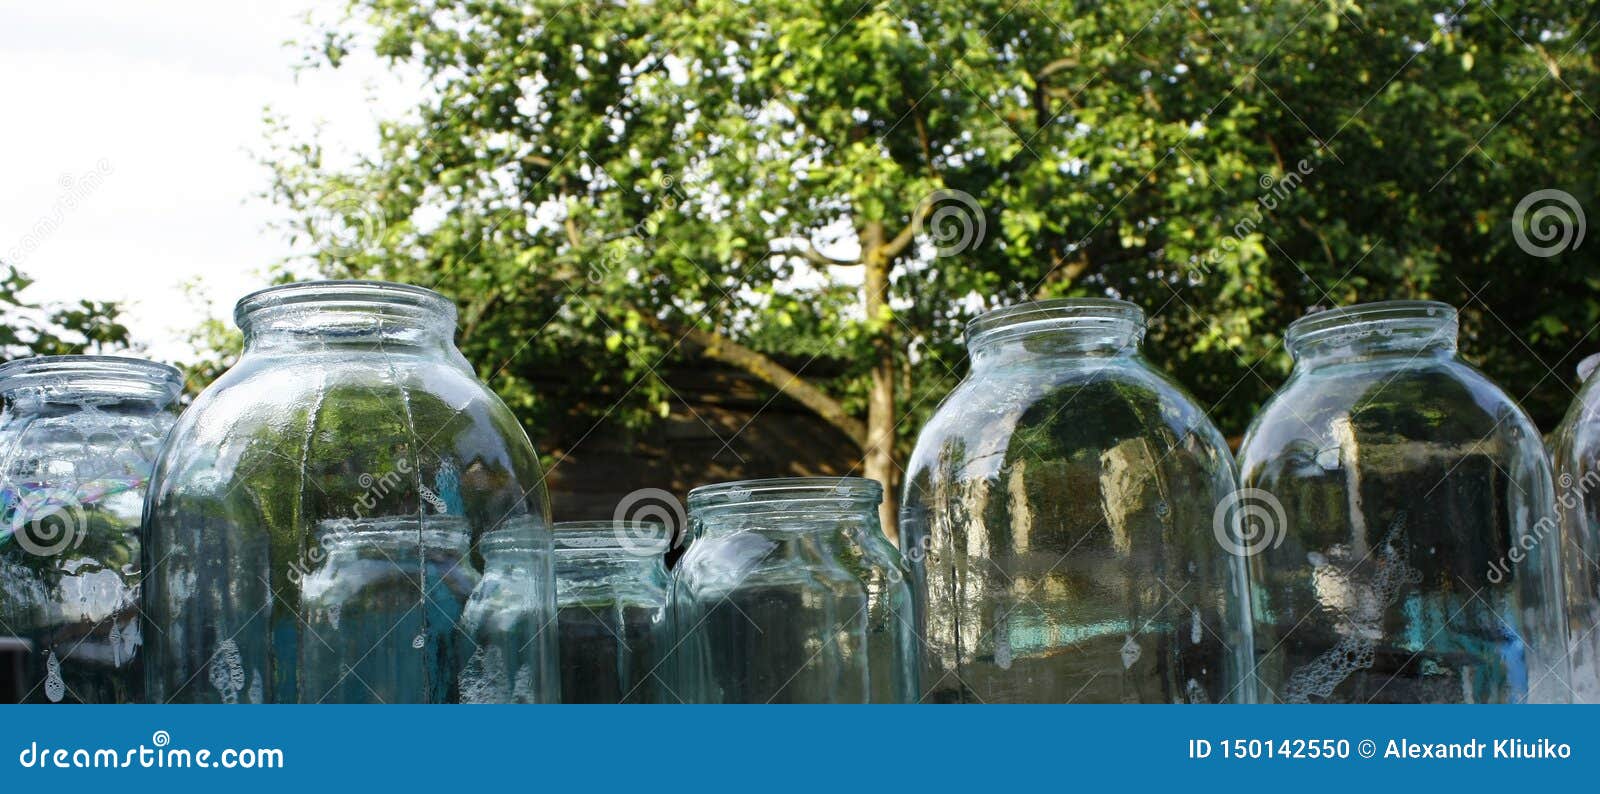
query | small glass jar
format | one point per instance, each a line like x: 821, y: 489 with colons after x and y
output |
x: 78, y: 438
x: 506, y: 615
x: 382, y: 577
x: 1406, y: 547
x: 1575, y: 455
x: 1062, y: 512
x: 611, y: 606
x: 779, y: 600
x: 350, y: 469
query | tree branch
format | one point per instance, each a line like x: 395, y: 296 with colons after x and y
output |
x: 896, y: 246
x: 1058, y: 274
x: 810, y: 253
x: 717, y: 347
x: 1058, y: 65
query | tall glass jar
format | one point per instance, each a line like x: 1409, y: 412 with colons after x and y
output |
x: 333, y: 511
x: 1406, y: 550
x: 611, y: 606
x: 1575, y: 454
x: 78, y: 437
x: 1061, y: 511
x: 778, y: 601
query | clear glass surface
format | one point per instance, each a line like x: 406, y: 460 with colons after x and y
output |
x: 1406, y: 551
x: 1575, y: 455
x: 611, y: 601
x: 78, y: 438
x: 1059, y: 513
x: 320, y: 527
x: 781, y: 598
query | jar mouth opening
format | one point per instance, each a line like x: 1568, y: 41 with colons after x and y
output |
x: 91, y: 375
x: 1102, y: 317
x: 1345, y: 324
x: 852, y: 490
x: 351, y: 298
x: 638, y: 538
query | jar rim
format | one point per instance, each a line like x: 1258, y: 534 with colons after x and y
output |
x: 345, y: 293
x: 1587, y: 366
x: 787, y: 489
x: 516, y: 533
x: 90, y: 374
x: 1104, y: 315
x: 639, y: 538
x: 1376, y: 317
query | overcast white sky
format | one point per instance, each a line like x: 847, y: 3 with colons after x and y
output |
x: 128, y: 134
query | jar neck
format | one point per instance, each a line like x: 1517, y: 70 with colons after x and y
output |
x: 331, y: 314
x: 34, y: 383
x: 1072, y: 327
x: 789, y: 506
x: 1410, y: 329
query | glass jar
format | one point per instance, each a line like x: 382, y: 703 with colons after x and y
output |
x: 325, y: 513
x: 78, y: 437
x: 777, y: 601
x: 1060, y: 513
x: 393, y: 575
x: 611, y: 607
x: 507, y: 614
x: 1405, y: 548
x: 1575, y: 455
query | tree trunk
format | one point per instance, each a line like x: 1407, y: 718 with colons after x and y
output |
x: 878, y: 460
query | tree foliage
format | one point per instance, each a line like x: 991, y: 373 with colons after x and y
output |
x: 605, y: 187
x: 32, y: 329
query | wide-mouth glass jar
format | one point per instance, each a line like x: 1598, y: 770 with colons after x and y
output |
x: 1405, y: 546
x: 776, y: 601
x: 1061, y: 511
x: 611, y: 607
x: 318, y: 525
x: 78, y: 438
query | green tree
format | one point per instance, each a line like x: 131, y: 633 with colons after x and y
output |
x: 606, y: 185
x: 31, y: 329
